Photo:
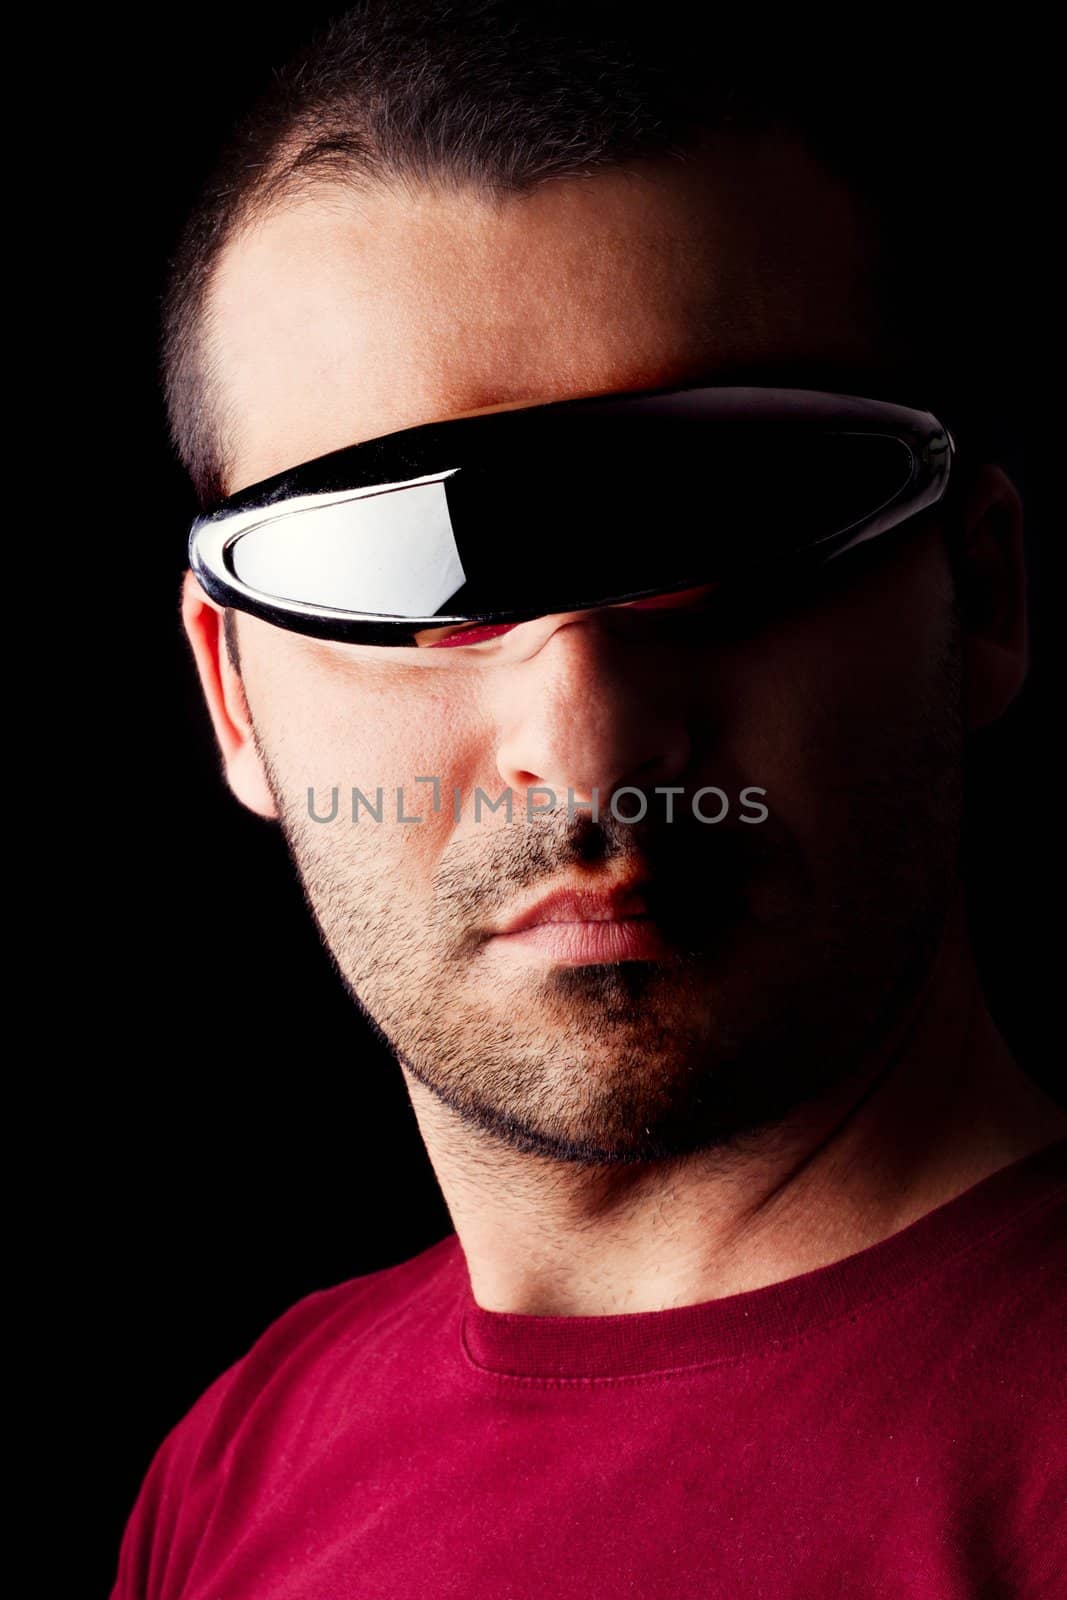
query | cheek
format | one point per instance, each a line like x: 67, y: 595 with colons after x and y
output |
x: 403, y: 741
x: 835, y: 704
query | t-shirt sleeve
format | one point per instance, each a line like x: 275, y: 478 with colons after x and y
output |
x: 165, y: 1514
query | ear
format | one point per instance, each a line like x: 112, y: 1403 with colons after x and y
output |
x: 991, y: 592
x: 226, y: 703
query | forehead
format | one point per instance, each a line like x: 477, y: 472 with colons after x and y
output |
x: 344, y: 314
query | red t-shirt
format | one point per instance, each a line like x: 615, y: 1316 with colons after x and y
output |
x: 894, y: 1424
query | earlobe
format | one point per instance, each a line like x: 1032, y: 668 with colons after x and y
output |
x: 225, y: 695
x: 991, y: 595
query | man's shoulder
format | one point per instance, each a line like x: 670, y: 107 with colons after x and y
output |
x: 319, y: 1319
x: 331, y: 1324
x: 1022, y: 1259
x: 1008, y: 1231
x: 299, y: 1355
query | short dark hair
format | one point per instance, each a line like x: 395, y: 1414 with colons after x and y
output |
x: 503, y: 96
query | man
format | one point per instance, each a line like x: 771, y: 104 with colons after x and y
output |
x: 754, y: 1287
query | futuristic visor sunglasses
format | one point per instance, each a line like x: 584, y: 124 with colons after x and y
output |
x: 450, y: 529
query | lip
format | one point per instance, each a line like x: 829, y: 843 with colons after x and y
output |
x: 617, y: 904
x: 581, y: 927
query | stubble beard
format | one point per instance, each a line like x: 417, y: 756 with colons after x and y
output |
x: 779, y: 999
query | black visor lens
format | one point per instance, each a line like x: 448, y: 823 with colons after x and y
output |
x: 576, y: 517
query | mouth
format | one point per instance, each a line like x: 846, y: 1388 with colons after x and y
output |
x: 579, y: 926
x: 586, y: 943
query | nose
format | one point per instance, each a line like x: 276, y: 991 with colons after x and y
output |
x: 591, y: 709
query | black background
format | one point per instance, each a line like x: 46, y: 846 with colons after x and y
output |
x: 241, y: 1138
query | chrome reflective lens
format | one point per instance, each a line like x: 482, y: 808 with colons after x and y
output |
x: 564, y: 506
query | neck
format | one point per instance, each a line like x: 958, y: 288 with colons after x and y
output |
x: 942, y: 1106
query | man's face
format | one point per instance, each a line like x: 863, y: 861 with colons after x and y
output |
x: 782, y: 946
